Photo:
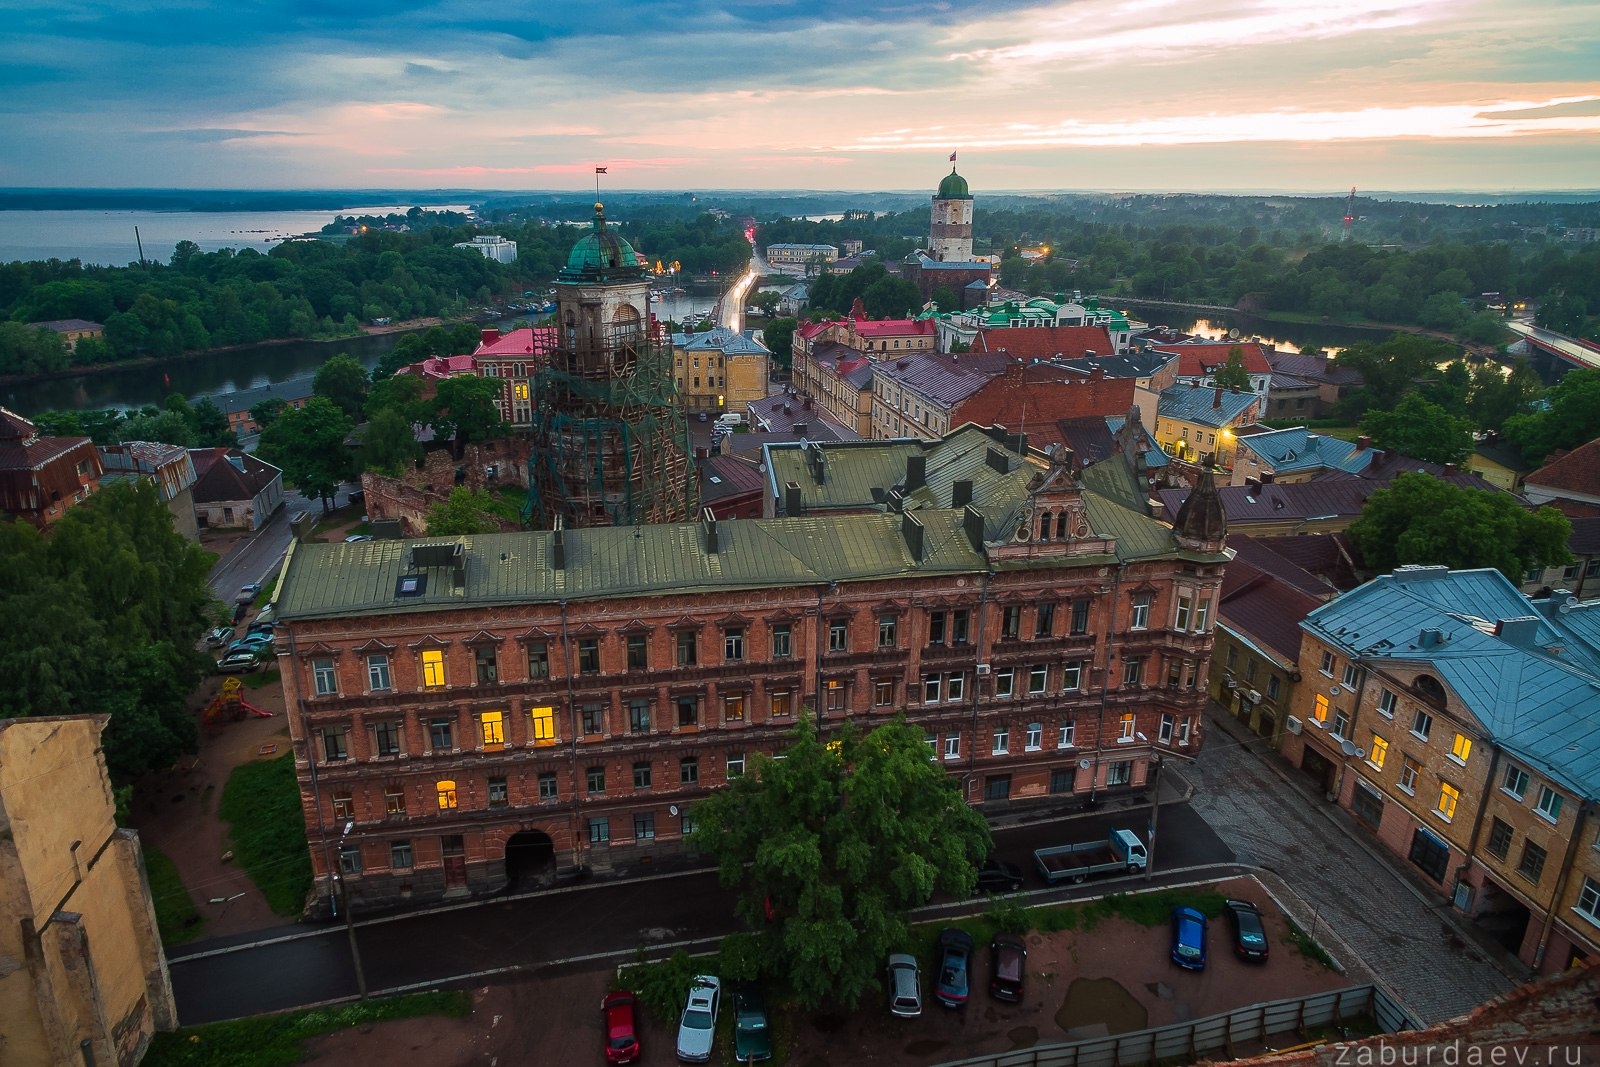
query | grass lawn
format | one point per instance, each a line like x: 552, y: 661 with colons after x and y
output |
x: 176, y: 915
x: 261, y: 803
x: 261, y: 679
x: 275, y: 1040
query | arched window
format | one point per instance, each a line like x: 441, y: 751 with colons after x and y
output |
x: 1044, y: 526
x: 447, y: 794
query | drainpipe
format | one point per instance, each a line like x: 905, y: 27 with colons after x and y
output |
x: 1561, y: 883
x: 316, y: 789
x: 572, y: 721
x: 816, y: 659
x: 1105, y: 687
x: 1477, y: 819
x: 972, y: 749
x: 1355, y: 718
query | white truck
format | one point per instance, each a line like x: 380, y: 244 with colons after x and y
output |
x: 1119, y: 852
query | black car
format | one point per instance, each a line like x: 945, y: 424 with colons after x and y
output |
x: 998, y: 876
x: 1008, y: 967
x: 1249, y: 935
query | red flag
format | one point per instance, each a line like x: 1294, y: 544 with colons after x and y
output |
x: 952, y: 157
x: 599, y: 170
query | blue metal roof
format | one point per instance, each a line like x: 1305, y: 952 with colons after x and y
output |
x: 1297, y: 449
x: 1202, y: 405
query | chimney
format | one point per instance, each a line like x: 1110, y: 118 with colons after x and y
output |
x: 911, y: 529
x: 791, y: 499
x: 818, y: 464
x: 800, y: 429
x: 1363, y: 443
x: 916, y: 472
x: 1451, y: 468
x: 1216, y: 400
x: 708, y: 527
x: 972, y: 526
x: 1267, y: 477
x: 1252, y: 483
x: 998, y: 461
x: 961, y: 493
x: 808, y: 403
x: 1430, y: 637
x: 490, y: 335
x: 558, y: 545
x: 1521, y: 631
x: 1088, y: 353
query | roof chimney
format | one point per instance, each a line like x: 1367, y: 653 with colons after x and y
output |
x: 1216, y: 400
x: 708, y: 527
x: 972, y: 525
x: 961, y: 492
x: 791, y: 499
x: 911, y: 529
x: 558, y: 545
x: 999, y: 461
x: 1267, y: 477
x: 1363, y: 443
x: 916, y: 472
x: 490, y: 335
x: 1521, y: 631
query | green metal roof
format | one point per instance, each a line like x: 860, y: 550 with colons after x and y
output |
x: 954, y: 187
x: 601, y: 251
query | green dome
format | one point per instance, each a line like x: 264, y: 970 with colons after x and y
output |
x: 602, y: 253
x: 954, y: 187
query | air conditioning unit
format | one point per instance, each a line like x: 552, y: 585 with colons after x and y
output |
x: 1255, y: 696
x: 1292, y: 724
x: 983, y: 668
x: 1232, y: 684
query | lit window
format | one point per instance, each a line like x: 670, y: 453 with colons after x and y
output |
x: 433, y: 668
x: 1319, y: 710
x: 883, y: 692
x: 1379, y: 752
x: 1449, y: 797
x: 782, y: 703
x: 543, y: 722
x: 1126, y: 727
x: 1461, y: 748
x: 447, y: 794
x: 733, y: 707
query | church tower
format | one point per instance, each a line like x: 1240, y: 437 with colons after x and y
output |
x: 610, y: 446
x: 950, y: 236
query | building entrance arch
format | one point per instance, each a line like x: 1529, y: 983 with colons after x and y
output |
x: 530, y: 859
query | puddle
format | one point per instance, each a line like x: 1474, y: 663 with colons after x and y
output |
x: 925, y: 1047
x: 1101, y: 1002
x: 1023, y: 1037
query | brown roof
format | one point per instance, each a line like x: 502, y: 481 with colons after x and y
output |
x: 1576, y: 472
x: 225, y: 474
x: 1045, y: 342
x: 722, y: 477
x: 1264, y: 607
x: 1320, y: 564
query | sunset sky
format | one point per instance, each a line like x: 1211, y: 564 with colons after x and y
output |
x: 802, y: 94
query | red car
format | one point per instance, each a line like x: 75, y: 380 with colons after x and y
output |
x: 622, y: 1033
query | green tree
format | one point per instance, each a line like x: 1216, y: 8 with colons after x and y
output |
x: 463, y: 409
x: 946, y: 298
x: 169, y: 427
x: 402, y: 393
x: 1571, y: 417
x: 211, y: 427
x: 891, y: 298
x: 343, y: 380
x: 778, y: 336
x: 265, y: 411
x: 308, y: 445
x: 1420, y: 519
x: 464, y: 512
x: 389, y: 444
x: 1421, y: 430
x: 842, y: 839
x: 1232, y: 374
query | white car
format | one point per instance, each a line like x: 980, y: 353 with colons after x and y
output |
x: 905, y: 986
x: 698, y: 1028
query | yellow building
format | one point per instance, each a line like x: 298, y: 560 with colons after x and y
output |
x: 719, y: 370
x: 1198, y: 423
x: 83, y: 979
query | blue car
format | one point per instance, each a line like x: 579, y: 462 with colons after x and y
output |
x: 955, y: 959
x: 1188, y: 939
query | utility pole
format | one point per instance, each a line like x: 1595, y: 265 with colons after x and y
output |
x: 349, y: 920
x: 1155, y: 809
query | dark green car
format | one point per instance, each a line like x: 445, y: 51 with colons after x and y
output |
x: 752, y: 1042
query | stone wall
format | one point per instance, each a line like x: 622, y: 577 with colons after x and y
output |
x: 488, y: 466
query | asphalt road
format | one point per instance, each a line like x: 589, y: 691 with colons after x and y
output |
x: 256, y: 558
x: 297, y: 966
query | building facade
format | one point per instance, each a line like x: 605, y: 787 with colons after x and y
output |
x: 1199, y: 424
x: 492, y: 246
x: 491, y: 709
x: 41, y: 477
x: 719, y: 370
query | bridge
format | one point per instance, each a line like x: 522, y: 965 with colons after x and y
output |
x: 1560, y: 352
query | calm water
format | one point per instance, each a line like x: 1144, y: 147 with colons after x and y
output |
x: 105, y: 238
x: 1284, y: 336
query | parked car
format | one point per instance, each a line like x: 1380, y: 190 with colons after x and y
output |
x: 955, y: 966
x: 1008, y: 967
x: 253, y: 643
x: 620, y: 1012
x: 241, y: 662
x: 1249, y: 935
x: 905, y: 986
x: 247, y: 594
x: 353, y: 538
x: 752, y: 1042
x: 219, y: 636
x: 260, y: 628
x: 998, y: 876
x: 698, y: 1027
x: 240, y: 611
x: 1188, y: 939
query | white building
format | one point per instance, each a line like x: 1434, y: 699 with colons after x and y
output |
x: 492, y: 246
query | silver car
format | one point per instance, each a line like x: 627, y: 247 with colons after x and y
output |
x: 698, y: 1027
x: 905, y: 986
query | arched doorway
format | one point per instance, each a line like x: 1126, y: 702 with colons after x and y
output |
x: 530, y: 859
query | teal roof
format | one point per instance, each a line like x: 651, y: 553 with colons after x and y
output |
x: 1199, y: 405
x: 954, y: 187
x: 603, y: 254
x: 1296, y: 449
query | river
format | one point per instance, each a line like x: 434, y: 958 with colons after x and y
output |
x: 1283, y: 335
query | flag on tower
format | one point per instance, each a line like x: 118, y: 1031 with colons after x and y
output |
x: 952, y: 157
x: 602, y: 170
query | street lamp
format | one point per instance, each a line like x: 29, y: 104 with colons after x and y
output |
x: 1155, y: 806
x: 349, y: 921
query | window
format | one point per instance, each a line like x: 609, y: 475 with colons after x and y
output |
x: 936, y: 628
x: 499, y: 794
x: 1549, y: 803
x: 686, y: 648
x: 1035, y: 736
x: 1431, y: 855
x: 599, y: 830
x: 1422, y: 724
x: 1125, y: 727
x: 644, y: 826
x: 1002, y: 740
x: 1319, y: 709
x: 1461, y: 748
x: 588, y: 655
x: 735, y: 765
x: 1516, y: 782
x: 400, y: 855
x: 433, y: 668
x: 1327, y: 663
x: 350, y: 859
x: 446, y: 792
x: 638, y: 653
x: 483, y: 660
x: 638, y: 716
x: 1072, y: 676
x: 838, y: 636
x: 543, y: 723
x: 1119, y: 773
x: 344, y: 806
x: 538, y: 660
x: 1366, y: 804
x: 1141, y: 613
x: 386, y: 738
x: 733, y: 645
x: 547, y: 786
x: 883, y: 692
x: 834, y: 694
x: 1532, y: 865
x: 1080, y: 617
x: 1045, y: 622
x: 688, y: 711
x: 1184, y: 609
x: 1589, y: 899
x: 378, y: 672
x: 997, y: 787
x: 930, y: 688
x: 1499, y: 843
x: 1061, y: 779
x: 324, y: 677
x: 1272, y: 687
x: 955, y: 686
x: 335, y: 742
x: 1133, y: 670
x: 1409, y: 769
x: 688, y: 770
x: 1449, y: 797
x: 594, y: 718
x: 1067, y: 735
x: 886, y: 631
x: 1233, y: 657
x: 1165, y: 734
x: 1341, y: 722
x: 782, y: 642
x: 1378, y: 752
x: 952, y: 746
x: 1038, y: 678
x: 596, y: 779
x: 641, y: 776
x: 394, y: 800
x: 491, y: 727
x: 1202, y: 611
x: 1011, y: 622
x: 958, y: 627
x: 733, y: 707
x: 1386, y: 704
x: 782, y: 703
x: 1352, y: 675
x: 1005, y: 680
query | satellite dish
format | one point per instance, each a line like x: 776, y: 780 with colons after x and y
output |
x: 672, y: 809
x: 1333, y: 690
x: 1348, y: 748
x: 1084, y: 764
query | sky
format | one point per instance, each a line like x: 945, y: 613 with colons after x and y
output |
x: 1192, y: 95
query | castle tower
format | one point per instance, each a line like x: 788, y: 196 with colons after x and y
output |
x: 610, y: 445
x: 950, y: 236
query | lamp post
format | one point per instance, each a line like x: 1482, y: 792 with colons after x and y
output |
x: 349, y: 921
x: 1155, y: 807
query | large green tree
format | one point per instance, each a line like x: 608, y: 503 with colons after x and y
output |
x: 840, y: 838
x: 778, y: 336
x: 1421, y: 430
x: 1571, y: 418
x: 1232, y: 374
x: 1420, y: 519
x: 389, y: 443
x: 463, y: 409
x: 343, y: 380
x: 465, y: 511
x: 308, y: 445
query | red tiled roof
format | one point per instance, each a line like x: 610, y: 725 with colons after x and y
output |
x: 1264, y: 607
x: 519, y: 342
x: 878, y: 328
x: 1195, y: 360
x: 1045, y: 342
x: 442, y: 366
x: 1576, y: 472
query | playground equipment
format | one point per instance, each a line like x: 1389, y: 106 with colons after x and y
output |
x: 229, y: 705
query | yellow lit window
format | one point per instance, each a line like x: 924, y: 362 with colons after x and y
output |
x: 520, y: 391
x: 544, y: 725
x: 1380, y: 751
x: 1320, y: 711
x: 493, y: 725
x: 1462, y: 748
x: 447, y: 795
x: 1448, y: 796
x: 433, y: 668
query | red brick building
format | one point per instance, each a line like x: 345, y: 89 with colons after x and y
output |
x: 468, y: 712
x: 41, y: 477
